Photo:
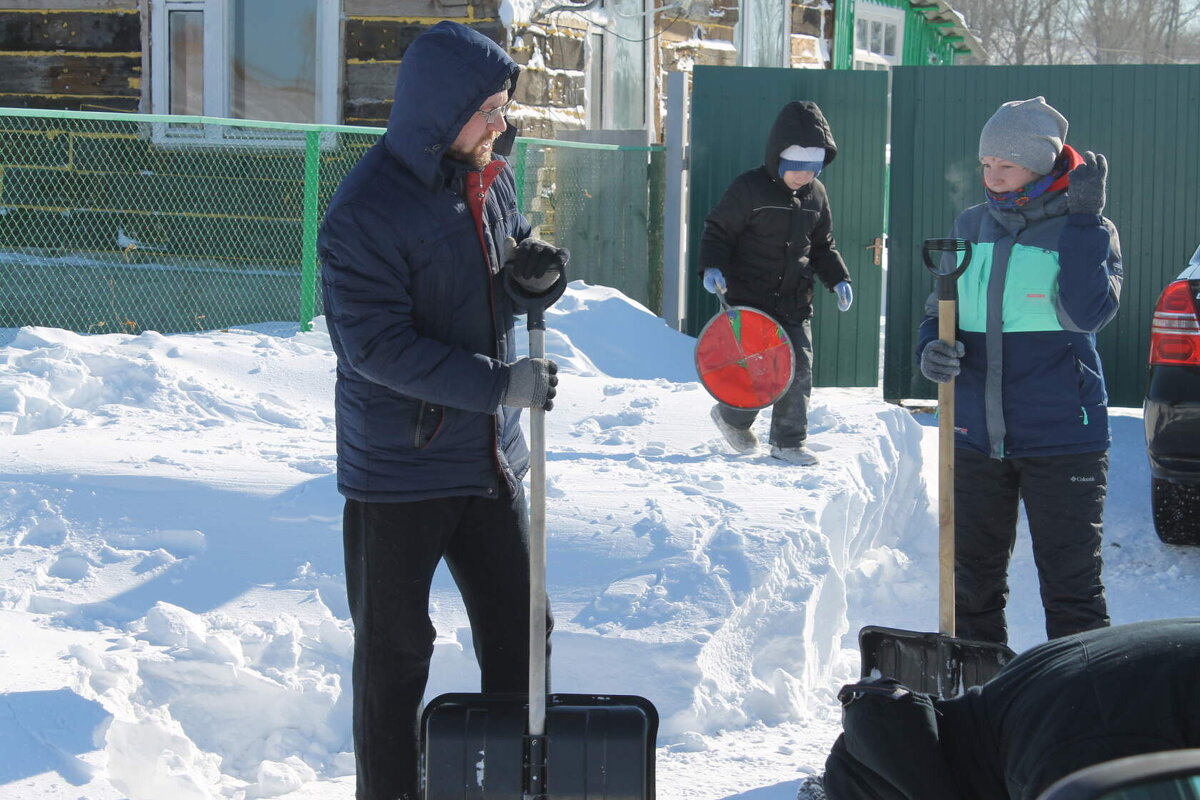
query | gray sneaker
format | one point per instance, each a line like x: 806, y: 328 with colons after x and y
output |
x: 800, y: 456
x: 741, y: 440
x: 811, y: 788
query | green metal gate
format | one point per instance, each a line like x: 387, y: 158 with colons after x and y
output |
x: 1145, y: 119
x: 733, y: 109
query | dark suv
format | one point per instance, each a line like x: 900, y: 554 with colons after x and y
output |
x: 1172, y: 409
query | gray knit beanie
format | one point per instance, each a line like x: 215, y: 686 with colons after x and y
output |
x: 1029, y: 133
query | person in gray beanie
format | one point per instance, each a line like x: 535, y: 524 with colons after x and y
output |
x: 1031, y: 422
x: 1028, y: 133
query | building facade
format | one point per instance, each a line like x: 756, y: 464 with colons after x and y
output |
x: 595, y: 64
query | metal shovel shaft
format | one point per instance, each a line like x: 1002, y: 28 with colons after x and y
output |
x: 537, y: 553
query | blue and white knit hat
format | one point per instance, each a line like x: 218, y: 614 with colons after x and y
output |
x: 802, y: 159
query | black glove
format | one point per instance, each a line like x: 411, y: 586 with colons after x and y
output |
x: 1085, y: 192
x: 536, y: 265
x: 531, y: 383
x: 939, y: 361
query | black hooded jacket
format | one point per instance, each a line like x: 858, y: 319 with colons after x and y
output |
x: 1061, y: 706
x: 416, y: 310
x: 768, y: 241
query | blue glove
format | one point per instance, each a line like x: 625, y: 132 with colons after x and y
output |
x: 845, y: 295
x: 714, y: 281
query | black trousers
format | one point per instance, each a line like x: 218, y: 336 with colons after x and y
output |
x: 392, y: 551
x: 1064, y: 502
x: 789, y: 415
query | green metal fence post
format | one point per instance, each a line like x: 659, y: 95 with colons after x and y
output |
x: 519, y: 174
x: 308, y: 259
x: 843, y: 35
x: 654, y: 227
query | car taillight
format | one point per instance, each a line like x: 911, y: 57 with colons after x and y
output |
x: 1175, y: 331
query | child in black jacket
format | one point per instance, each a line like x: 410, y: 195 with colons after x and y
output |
x: 765, y: 245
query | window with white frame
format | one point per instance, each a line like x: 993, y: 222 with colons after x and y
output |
x: 762, y: 33
x: 878, y: 36
x: 272, y: 60
x: 625, y: 64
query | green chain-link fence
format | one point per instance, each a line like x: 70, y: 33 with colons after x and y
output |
x: 124, y: 223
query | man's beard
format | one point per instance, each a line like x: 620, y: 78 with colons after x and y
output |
x: 478, y: 156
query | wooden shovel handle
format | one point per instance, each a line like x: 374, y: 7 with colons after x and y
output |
x: 947, y: 330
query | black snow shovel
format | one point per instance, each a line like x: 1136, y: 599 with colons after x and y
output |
x: 538, y: 746
x: 937, y: 663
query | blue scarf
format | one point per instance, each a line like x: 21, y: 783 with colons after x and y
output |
x: 1009, y: 201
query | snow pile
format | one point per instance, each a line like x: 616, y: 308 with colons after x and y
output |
x: 203, y: 705
x: 172, y: 601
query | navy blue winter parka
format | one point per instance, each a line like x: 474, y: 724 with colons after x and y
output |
x: 413, y: 297
x: 1041, y: 284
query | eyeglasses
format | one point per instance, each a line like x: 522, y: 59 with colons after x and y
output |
x: 490, y: 116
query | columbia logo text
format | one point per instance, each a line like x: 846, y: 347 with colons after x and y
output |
x: 1083, y: 479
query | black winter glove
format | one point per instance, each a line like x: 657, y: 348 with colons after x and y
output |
x: 536, y: 265
x: 1085, y: 192
x: 939, y: 361
x: 531, y: 383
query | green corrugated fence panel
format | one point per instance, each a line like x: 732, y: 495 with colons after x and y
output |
x: 1143, y: 118
x: 224, y: 213
x: 733, y: 109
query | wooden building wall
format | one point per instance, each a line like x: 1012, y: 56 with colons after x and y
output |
x: 82, y: 55
x: 377, y: 32
x: 92, y: 54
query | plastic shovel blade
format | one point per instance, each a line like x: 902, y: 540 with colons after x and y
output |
x: 933, y: 663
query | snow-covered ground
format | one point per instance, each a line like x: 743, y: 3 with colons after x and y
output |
x: 172, y: 616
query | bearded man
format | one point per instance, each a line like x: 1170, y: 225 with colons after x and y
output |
x: 428, y: 398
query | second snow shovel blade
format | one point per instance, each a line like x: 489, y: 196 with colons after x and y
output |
x: 933, y: 663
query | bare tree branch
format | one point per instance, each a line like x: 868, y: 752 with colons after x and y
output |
x: 1085, y: 31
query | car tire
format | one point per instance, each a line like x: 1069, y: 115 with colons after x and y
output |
x: 1176, y: 509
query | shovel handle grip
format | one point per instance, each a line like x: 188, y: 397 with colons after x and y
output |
x: 947, y: 279
x: 534, y: 305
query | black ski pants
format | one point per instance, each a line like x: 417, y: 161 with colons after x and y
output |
x: 789, y: 415
x: 392, y: 551
x: 1064, y: 503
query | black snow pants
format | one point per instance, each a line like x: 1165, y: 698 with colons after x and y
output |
x: 1064, y: 503
x: 789, y: 415
x: 392, y: 551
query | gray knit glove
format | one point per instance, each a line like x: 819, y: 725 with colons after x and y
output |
x: 939, y: 361
x: 531, y: 383
x: 1085, y: 193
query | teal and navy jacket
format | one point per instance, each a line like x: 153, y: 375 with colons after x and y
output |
x: 1040, y: 284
